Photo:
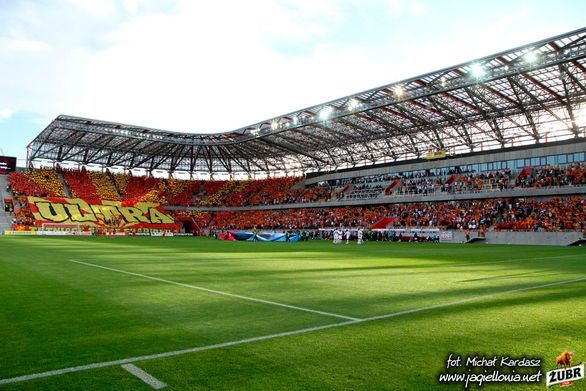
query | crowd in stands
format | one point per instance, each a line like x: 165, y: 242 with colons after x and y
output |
x: 181, y: 192
x: 39, y: 183
x: 457, y: 183
x: 321, y: 193
x: 20, y: 184
x: 572, y: 175
x: 277, y: 191
x: 515, y: 214
x: 43, y: 182
x: 493, y: 180
x: 364, y: 191
x: 80, y: 185
x: 104, y: 186
x: 511, y: 214
x: 311, y: 218
x: 551, y: 215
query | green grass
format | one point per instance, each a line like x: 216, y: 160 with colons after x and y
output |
x: 56, y: 314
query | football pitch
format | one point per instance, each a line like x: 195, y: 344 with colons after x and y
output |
x: 83, y: 313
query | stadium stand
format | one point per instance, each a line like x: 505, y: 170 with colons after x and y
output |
x: 22, y: 185
x: 503, y: 214
x: 80, y: 184
x: 520, y: 214
x: 181, y: 192
x: 105, y: 189
x: 47, y: 180
x: 505, y: 151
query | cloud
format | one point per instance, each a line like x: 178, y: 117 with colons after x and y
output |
x: 6, y: 113
x: 93, y: 8
x: 401, y: 8
x: 220, y: 65
x: 23, y: 45
x: 210, y: 73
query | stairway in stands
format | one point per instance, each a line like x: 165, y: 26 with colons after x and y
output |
x: 65, y: 185
x: 383, y: 223
x: 5, y: 217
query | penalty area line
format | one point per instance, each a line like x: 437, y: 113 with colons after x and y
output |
x: 144, y: 376
x: 129, y: 360
x: 208, y: 290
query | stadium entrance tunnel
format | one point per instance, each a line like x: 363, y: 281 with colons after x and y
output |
x: 187, y: 225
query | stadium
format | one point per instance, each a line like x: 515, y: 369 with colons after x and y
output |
x: 369, y: 242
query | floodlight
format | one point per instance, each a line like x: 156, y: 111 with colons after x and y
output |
x: 477, y: 70
x: 326, y: 112
x: 399, y: 91
x: 531, y: 57
x: 353, y: 104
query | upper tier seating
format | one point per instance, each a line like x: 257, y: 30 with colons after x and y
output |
x: 80, y: 184
x: 92, y: 185
x: 48, y: 180
x: 105, y: 189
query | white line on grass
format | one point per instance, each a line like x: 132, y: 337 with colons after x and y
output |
x: 168, y: 354
x: 293, y: 307
x: 129, y: 360
x: 144, y: 376
x: 474, y: 298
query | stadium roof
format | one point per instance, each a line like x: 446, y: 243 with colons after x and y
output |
x: 523, y: 95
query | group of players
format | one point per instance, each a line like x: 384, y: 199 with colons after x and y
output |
x: 339, y: 234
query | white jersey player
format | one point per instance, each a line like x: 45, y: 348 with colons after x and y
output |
x: 359, y: 234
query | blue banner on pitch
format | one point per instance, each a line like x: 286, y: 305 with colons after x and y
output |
x: 265, y: 237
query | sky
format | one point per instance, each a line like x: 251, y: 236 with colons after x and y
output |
x: 216, y: 66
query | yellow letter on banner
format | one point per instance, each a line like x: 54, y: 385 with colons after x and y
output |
x: 108, y: 211
x: 133, y: 215
x: 76, y: 215
x: 52, y: 212
x: 158, y: 217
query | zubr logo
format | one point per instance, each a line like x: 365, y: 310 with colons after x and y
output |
x: 568, y: 374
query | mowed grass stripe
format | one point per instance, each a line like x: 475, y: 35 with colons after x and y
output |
x: 482, y: 263
x: 56, y: 314
x: 129, y: 360
x: 40, y: 316
x: 228, y: 294
x: 350, y: 282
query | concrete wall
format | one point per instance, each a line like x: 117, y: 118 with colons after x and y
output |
x: 532, y: 238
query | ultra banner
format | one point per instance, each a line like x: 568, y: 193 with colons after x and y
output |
x: 123, y: 215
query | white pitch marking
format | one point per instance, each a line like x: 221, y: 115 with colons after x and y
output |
x: 474, y: 298
x: 104, y: 364
x: 168, y: 354
x: 144, y: 376
x: 294, y: 307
